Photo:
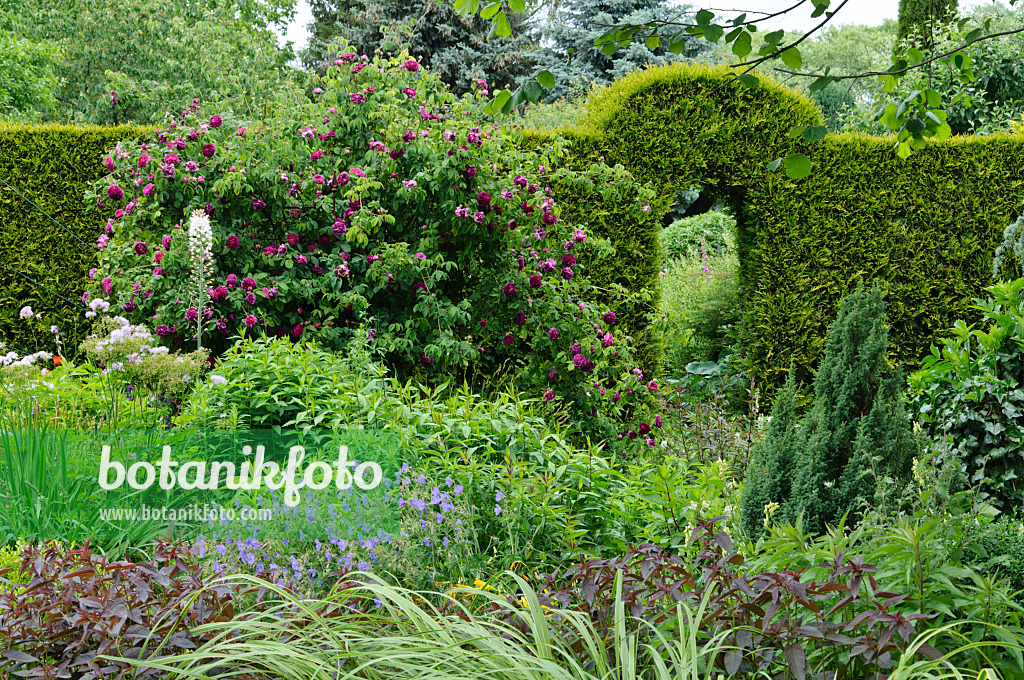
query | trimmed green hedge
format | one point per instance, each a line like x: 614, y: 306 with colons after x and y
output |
x: 925, y: 229
x: 50, y: 165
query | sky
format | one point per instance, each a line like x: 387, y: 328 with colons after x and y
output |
x: 870, y: 12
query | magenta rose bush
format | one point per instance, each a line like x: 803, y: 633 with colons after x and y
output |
x: 382, y: 207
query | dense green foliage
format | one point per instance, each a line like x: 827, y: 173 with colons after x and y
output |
x: 861, y: 216
x: 122, y: 61
x: 51, y: 166
x: 578, y: 23
x: 458, y: 49
x: 969, y: 394
x: 855, y: 440
x: 27, y: 79
x: 709, y: 232
x: 921, y: 20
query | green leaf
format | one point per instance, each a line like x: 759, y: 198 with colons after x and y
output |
x: 490, y: 10
x: 797, y: 165
x: 704, y: 368
x: 517, y: 6
x: 532, y: 90
x: 741, y: 46
x: 774, y: 165
x: 796, y: 131
x: 466, y: 7
x: 502, y: 27
x: 815, y: 133
x: 713, y: 33
x: 653, y: 42
x: 678, y: 45
x: 501, y: 98
x: 749, y: 79
x: 704, y: 18
x: 608, y: 49
x: 792, y: 58
x: 546, y: 79
x: 819, y: 84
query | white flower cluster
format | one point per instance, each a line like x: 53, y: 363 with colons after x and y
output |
x: 12, y: 359
x: 200, y: 234
x: 126, y: 332
x: 97, y: 305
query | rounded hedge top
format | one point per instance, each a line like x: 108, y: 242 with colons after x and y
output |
x: 685, y: 125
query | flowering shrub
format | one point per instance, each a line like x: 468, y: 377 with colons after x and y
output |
x: 383, y: 207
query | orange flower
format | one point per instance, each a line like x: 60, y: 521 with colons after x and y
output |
x: 56, y: 361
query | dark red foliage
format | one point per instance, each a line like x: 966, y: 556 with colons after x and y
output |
x: 79, y: 605
x: 777, y: 622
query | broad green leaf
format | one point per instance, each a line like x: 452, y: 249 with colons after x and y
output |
x: 608, y: 49
x: 820, y: 84
x: 713, y: 33
x: 546, y: 79
x: 653, y: 42
x: 466, y: 7
x: 490, y: 10
x: 741, y: 46
x: 749, y: 79
x: 704, y: 17
x: 796, y: 131
x: 792, y: 58
x: 797, y: 165
x: 815, y: 133
x: 503, y: 28
x: 678, y: 45
x: 517, y: 6
x: 774, y: 165
x: 532, y: 90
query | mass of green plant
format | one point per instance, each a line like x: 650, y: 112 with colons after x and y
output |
x: 558, y: 336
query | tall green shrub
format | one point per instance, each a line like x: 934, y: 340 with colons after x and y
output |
x: 856, y: 438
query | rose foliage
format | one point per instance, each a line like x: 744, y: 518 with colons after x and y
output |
x: 382, y: 206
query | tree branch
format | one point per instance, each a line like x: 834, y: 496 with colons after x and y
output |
x: 870, y: 74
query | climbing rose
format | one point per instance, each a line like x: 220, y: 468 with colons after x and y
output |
x: 521, y: 317
x: 148, y: 189
x: 411, y: 66
x: 609, y: 318
x: 549, y: 395
x: 657, y: 421
x: 248, y: 283
x: 108, y: 285
x: 191, y: 314
x: 535, y: 281
x: 216, y: 120
x: 115, y: 192
x: 250, y: 320
x: 141, y: 248
x: 509, y: 289
x: 233, y: 242
x: 553, y: 333
x: 508, y: 339
x: 209, y: 150
x: 426, y: 360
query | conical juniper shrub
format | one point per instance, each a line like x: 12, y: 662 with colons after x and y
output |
x: 382, y: 207
x: 855, y: 442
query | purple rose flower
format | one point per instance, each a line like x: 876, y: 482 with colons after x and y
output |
x: 609, y: 318
x: 115, y: 192
x: 191, y: 314
x: 209, y: 150
x: 141, y: 248
x: 553, y: 334
x: 258, y: 204
x: 215, y: 121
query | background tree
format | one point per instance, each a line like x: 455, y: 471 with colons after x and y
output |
x: 920, y: 20
x: 155, y: 54
x: 455, y: 48
x: 27, y: 78
x: 578, y: 23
